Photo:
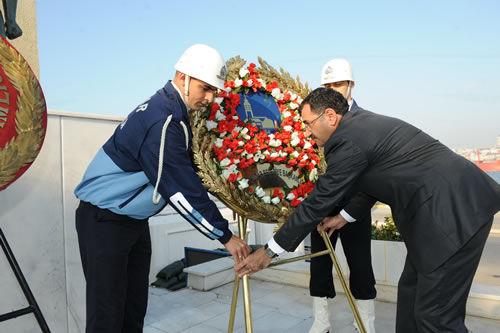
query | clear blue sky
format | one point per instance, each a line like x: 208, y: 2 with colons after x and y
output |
x: 435, y: 64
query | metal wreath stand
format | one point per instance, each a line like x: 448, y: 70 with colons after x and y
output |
x: 21, y: 149
x: 242, y: 231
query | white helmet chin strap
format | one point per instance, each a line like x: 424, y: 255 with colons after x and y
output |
x: 348, y: 90
x: 186, y: 89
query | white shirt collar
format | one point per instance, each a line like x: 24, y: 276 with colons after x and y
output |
x: 180, y: 94
x: 351, y: 102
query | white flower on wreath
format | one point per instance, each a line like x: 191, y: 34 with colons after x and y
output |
x: 219, y: 115
x: 259, y: 192
x: 210, y: 125
x: 243, y: 72
x: 238, y: 82
x: 219, y: 100
x: 294, y: 154
x: 242, y: 183
x: 275, y: 200
x: 266, y: 199
x: 218, y: 142
x: 287, y: 114
x: 237, y: 129
x: 275, y: 142
x: 258, y: 156
x: 288, y: 128
x: 293, y: 106
x: 290, y: 196
x: 313, y: 175
x: 307, y: 145
x: 225, y: 162
x: 250, y: 82
x: 295, y: 142
x: 226, y: 173
x: 244, y: 131
x: 274, y: 154
x: 276, y: 92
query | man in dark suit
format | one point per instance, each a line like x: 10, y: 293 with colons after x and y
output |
x: 442, y: 204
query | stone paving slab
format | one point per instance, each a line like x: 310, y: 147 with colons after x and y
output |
x: 275, y: 308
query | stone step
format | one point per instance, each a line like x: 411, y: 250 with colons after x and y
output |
x: 210, y: 274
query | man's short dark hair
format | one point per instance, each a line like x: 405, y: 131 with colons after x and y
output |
x: 321, y: 99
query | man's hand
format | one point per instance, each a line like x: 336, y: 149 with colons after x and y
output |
x: 331, y: 223
x: 254, y: 263
x: 238, y: 248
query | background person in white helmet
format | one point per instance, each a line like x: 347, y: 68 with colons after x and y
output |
x: 145, y: 165
x: 355, y: 237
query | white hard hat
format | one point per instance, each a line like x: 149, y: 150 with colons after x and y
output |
x: 336, y: 70
x: 203, y: 63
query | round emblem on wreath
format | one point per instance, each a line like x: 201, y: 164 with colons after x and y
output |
x: 23, y: 115
x: 250, y: 146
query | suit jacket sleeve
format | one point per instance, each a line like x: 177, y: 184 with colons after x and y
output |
x: 360, y: 205
x: 346, y: 162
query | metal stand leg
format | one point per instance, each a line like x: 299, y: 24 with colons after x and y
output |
x: 236, y: 288
x: 242, y: 230
x: 347, y: 291
x: 33, y: 307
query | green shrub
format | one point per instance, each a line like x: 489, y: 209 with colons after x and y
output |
x: 385, y: 230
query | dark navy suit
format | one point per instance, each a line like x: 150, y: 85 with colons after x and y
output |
x: 442, y: 204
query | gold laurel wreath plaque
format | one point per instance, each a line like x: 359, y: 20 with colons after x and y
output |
x: 23, y: 115
x: 242, y: 203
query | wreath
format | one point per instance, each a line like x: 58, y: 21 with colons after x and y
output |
x: 23, y: 115
x: 261, y: 173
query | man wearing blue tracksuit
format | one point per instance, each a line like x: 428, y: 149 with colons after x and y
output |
x: 145, y: 165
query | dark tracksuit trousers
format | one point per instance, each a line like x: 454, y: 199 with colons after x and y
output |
x: 116, y: 252
x: 356, y: 239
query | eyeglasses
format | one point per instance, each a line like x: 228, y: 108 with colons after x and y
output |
x: 309, y: 124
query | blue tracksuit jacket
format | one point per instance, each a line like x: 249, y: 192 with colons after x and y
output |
x: 123, y: 174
